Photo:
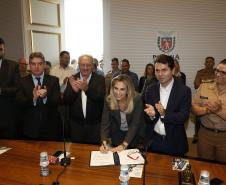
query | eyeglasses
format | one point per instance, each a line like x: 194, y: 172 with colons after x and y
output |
x: 220, y: 72
x: 134, y: 155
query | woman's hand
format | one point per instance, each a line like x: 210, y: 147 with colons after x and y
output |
x: 120, y: 147
x: 104, y: 148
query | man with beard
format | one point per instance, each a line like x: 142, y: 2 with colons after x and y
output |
x: 9, y: 75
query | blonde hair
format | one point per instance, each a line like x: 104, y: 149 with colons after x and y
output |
x: 131, y: 93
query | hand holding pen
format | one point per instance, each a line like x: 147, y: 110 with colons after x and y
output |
x: 104, y: 148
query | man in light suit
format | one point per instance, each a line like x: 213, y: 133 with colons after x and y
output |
x: 9, y: 75
x: 85, y: 96
x: 168, y: 106
x: 39, y: 96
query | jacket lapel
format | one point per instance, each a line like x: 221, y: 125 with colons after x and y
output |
x: 3, y: 71
x: 118, y: 117
x: 172, y: 96
x: 157, y: 93
x: 45, y: 81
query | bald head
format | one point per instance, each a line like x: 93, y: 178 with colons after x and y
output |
x: 23, y: 64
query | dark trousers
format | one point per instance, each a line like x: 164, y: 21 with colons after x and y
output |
x: 159, y: 143
x: 197, y: 125
x: 64, y: 112
x: 10, y: 125
x: 81, y: 132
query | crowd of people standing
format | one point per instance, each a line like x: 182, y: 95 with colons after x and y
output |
x: 116, y: 110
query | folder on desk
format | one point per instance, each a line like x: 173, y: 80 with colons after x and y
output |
x: 130, y: 156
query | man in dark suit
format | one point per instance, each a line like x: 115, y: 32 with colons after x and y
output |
x: 168, y: 106
x: 9, y: 75
x: 39, y: 96
x: 85, y: 96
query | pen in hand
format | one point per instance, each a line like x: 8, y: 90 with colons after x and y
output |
x: 104, y: 148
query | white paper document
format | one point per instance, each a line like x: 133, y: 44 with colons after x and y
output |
x: 136, y: 170
x: 4, y: 149
x: 101, y: 159
x: 131, y: 156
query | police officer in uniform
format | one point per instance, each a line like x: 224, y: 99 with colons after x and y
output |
x: 205, y: 75
x: 209, y: 103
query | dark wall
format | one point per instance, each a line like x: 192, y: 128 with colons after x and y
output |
x: 11, y: 28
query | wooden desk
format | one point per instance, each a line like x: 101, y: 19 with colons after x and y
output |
x: 20, y: 166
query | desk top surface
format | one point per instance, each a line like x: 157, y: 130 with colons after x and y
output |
x: 20, y: 165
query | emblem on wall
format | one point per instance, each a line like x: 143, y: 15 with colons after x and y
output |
x: 166, y: 41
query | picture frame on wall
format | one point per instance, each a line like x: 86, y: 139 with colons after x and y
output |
x: 45, y: 13
x: 49, y: 43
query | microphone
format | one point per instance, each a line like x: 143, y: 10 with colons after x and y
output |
x: 143, y: 153
x: 65, y: 161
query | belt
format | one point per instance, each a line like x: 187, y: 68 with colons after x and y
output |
x: 212, y: 129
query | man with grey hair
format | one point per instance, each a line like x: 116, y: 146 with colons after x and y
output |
x: 85, y: 96
x: 38, y: 95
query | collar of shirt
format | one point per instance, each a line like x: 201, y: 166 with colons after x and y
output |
x: 168, y: 87
x: 88, y: 79
x: 115, y: 71
x: 36, y: 81
x: 64, y: 68
x: 0, y: 63
x: 165, y: 92
x: 164, y: 97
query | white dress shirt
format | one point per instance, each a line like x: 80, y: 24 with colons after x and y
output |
x: 35, y: 81
x: 0, y: 63
x: 84, y: 97
x: 164, y: 97
x: 62, y: 73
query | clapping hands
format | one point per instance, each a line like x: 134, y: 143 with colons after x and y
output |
x: 150, y: 110
x: 39, y: 92
x: 78, y: 84
x: 213, y: 106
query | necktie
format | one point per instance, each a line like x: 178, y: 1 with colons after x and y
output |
x: 39, y: 80
x: 39, y: 100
